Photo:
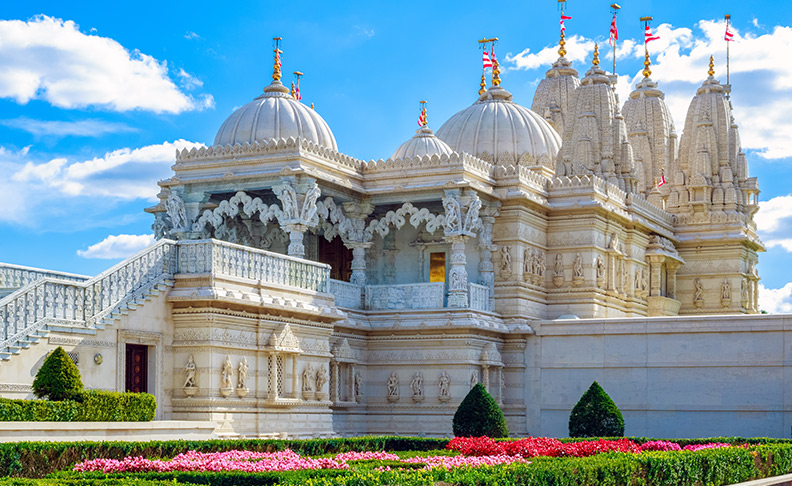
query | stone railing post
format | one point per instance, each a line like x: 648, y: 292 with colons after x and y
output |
x: 461, y: 223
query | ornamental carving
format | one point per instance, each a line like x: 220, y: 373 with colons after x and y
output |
x: 285, y: 340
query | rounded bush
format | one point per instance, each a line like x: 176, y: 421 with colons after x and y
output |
x: 595, y: 415
x: 58, y: 379
x: 479, y: 415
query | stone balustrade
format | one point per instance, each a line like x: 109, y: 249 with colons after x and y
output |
x: 223, y: 258
x: 13, y: 277
x: 479, y: 297
x: 405, y: 296
x: 346, y: 294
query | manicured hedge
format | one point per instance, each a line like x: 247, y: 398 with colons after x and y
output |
x: 83, y: 482
x: 91, y: 406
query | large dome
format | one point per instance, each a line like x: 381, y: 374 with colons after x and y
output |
x: 498, y: 130
x: 275, y: 115
x: 422, y: 144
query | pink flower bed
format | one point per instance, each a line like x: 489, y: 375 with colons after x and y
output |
x: 287, y: 460
x: 660, y: 445
x: 711, y: 445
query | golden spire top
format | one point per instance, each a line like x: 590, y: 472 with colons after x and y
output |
x: 596, y: 55
x: 423, y: 120
x: 495, y: 65
x: 276, y: 68
x: 711, y: 71
x: 647, y: 72
x: 291, y: 92
x: 562, y: 50
x: 483, y: 84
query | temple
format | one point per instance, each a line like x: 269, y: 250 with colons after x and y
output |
x: 297, y: 291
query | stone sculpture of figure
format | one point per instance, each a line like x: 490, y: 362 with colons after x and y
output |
x: 541, y: 265
x: 699, y: 293
x: 176, y: 212
x: 445, y: 386
x: 308, y: 378
x: 528, y: 266
x: 190, y: 369
x: 726, y: 290
x: 474, y: 378
x: 559, y: 265
x: 578, y: 265
x: 600, y: 268
x: 358, y: 385
x: 453, y: 222
x: 227, y: 372
x: 309, y: 204
x: 637, y: 279
x: 744, y: 290
x: 242, y: 374
x: 288, y: 199
x: 614, y: 242
x: 393, y: 385
x: 321, y: 378
x: 505, y: 262
x: 417, y: 385
x: 160, y: 228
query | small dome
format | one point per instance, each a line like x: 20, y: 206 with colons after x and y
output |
x: 275, y: 115
x: 422, y: 144
x: 495, y: 128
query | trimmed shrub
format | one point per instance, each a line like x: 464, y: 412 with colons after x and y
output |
x: 94, y: 406
x: 595, y: 415
x: 58, y: 379
x: 479, y: 415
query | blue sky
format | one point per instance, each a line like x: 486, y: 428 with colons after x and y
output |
x: 95, y: 96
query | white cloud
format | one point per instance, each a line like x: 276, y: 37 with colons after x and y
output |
x: 117, y: 246
x: 364, y: 31
x: 772, y: 212
x: 579, y: 49
x: 81, y: 128
x: 51, y: 59
x: 775, y: 301
x: 785, y: 243
x: 190, y: 35
x: 121, y: 174
x: 188, y: 81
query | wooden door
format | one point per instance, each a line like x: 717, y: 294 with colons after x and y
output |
x: 136, y: 368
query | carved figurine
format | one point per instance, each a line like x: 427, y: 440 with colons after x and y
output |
x: 176, y: 212
x: 358, y: 385
x: 453, y: 223
x: 614, y: 242
x: 417, y: 386
x: 474, y: 378
x: 726, y: 293
x: 321, y: 378
x: 308, y: 379
x: 393, y: 387
x: 541, y: 264
x: 600, y: 268
x: 242, y: 374
x: 578, y: 266
x: 190, y: 369
x: 698, y: 295
x: 227, y: 371
x: 559, y: 265
x: 505, y: 261
x: 445, y: 387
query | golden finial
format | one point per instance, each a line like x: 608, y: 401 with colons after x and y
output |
x: 312, y: 106
x: 276, y: 74
x: 483, y: 85
x: 596, y: 55
x: 291, y: 92
x: 711, y: 71
x: 647, y: 72
x: 495, y: 65
x: 424, y: 119
x: 562, y: 51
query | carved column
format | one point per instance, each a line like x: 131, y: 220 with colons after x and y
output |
x: 457, y: 274
x: 334, y: 384
x: 671, y: 271
x: 298, y: 206
x: 273, y: 376
x: 500, y: 385
x: 351, y: 383
x: 356, y: 238
x: 294, y: 377
x: 461, y: 223
x: 486, y: 268
x: 486, y: 376
x: 655, y: 274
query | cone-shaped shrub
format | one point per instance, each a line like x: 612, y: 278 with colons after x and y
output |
x: 595, y: 415
x: 479, y: 415
x: 58, y: 379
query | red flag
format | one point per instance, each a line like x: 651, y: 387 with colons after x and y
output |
x: 422, y: 118
x: 729, y: 36
x: 564, y: 17
x: 277, y: 58
x: 648, y: 36
x: 486, y: 59
x: 614, y: 32
x: 662, y: 180
x: 297, y: 93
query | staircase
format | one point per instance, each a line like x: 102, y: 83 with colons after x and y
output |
x: 53, y: 302
x: 13, y: 277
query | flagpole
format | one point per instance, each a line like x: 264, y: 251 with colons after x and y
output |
x: 647, y: 71
x: 728, y: 83
x: 615, y: 7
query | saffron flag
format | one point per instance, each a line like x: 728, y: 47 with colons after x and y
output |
x: 614, y: 32
x: 564, y: 17
x: 297, y: 93
x: 486, y: 60
x: 422, y: 118
x: 729, y: 36
x: 648, y: 36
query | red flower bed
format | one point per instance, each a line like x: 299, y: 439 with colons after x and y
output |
x: 544, y: 446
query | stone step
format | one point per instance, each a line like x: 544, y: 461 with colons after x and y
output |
x: 71, y: 329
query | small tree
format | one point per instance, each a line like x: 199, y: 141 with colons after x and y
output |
x: 58, y: 379
x: 595, y: 415
x: 479, y: 415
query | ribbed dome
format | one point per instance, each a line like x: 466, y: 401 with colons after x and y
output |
x: 494, y: 128
x: 422, y: 144
x: 275, y: 115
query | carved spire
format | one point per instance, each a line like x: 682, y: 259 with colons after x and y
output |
x: 276, y: 68
x: 711, y: 71
x: 595, y: 62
